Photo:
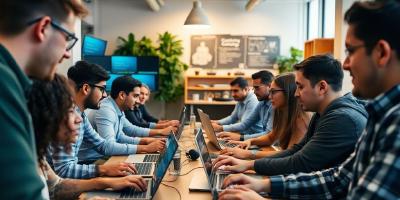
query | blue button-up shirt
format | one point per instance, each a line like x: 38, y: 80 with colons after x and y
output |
x: 241, y: 111
x: 111, y: 124
x: 371, y: 172
x: 65, y: 163
x: 258, y: 123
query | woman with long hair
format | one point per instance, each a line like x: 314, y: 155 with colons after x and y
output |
x: 289, y: 124
x: 57, y: 124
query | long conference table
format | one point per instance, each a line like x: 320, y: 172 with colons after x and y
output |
x: 181, y: 183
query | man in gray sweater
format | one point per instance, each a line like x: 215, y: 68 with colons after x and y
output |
x: 333, y: 131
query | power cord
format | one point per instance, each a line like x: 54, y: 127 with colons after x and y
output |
x: 184, y: 174
x: 180, y: 196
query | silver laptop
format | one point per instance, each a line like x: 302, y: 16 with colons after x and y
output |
x: 152, y: 183
x: 182, y: 121
x: 207, y: 126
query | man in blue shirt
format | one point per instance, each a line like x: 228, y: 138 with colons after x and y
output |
x: 89, y: 81
x: 246, y: 103
x: 259, y: 121
x: 372, y: 171
x: 111, y: 124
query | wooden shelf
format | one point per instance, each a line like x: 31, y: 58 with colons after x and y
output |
x: 318, y: 46
x: 203, y: 102
x: 209, y: 88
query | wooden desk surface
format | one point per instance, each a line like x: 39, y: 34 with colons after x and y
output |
x: 181, y: 183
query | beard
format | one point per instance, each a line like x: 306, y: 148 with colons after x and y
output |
x: 91, y: 103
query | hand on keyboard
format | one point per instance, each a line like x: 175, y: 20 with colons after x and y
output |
x: 132, y: 181
x: 236, y: 152
x: 118, y: 169
x: 229, y: 136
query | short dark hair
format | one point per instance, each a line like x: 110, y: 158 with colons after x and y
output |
x: 123, y: 84
x: 240, y: 81
x: 322, y: 67
x: 16, y: 14
x: 83, y: 72
x: 374, y: 21
x: 265, y: 76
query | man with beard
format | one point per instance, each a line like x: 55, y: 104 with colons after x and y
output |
x: 34, y: 37
x: 89, y: 81
x: 246, y: 103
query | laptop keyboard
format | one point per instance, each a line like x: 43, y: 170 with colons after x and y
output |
x: 151, y: 158
x: 221, y: 178
x: 143, y: 168
x: 130, y: 193
x: 226, y: 144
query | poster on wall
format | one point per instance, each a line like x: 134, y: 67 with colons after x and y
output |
x: 203, y: 51
x: 262, y: 51
x: 230, y: 51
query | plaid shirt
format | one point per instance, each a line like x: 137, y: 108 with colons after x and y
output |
x: 371, y: 172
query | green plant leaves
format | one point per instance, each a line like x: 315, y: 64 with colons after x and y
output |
x: 286, y: 63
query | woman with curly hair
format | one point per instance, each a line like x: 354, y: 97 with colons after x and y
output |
x: 57, y: 124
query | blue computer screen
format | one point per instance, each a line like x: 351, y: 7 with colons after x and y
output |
x: 93, y: 46
x: 123, y: 64
x: 103, y: 61
x: 109, y: 82
x: 148, y: 64
x: 148, y: 79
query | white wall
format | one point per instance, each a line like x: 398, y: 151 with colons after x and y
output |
x: 75, y: 52
x: 285, y: 18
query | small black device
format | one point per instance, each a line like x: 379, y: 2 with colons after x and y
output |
x: 192, y: 154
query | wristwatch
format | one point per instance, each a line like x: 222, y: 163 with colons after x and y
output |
x: 253, y: 154
x: 241, y: 137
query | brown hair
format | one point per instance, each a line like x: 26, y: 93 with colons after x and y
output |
x: 49, y: 103
x: 284, y: 123
x: 16, y: 14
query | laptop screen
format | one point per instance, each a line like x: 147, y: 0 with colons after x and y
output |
x: 204, y: 155
x: 182, y: 123
x: 164, y: 161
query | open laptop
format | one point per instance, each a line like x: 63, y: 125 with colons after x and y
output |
x: 153, y: 157
x: 146, y: 168
x: 208, y: 128
x: 152, y: 183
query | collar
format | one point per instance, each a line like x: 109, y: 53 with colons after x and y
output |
x: 384, y: 102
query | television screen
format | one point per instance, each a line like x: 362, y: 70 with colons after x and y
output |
x: 109, y: 82
x: 148, y: 64
x: 123, y: 64
x: 93, y: 46
x: 103, y: 61
x: 149, y: 79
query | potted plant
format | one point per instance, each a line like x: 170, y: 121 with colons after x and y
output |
x: 285, y: 64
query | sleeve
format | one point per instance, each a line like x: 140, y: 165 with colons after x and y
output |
x: 245, y: 123
x: 19, y: 177
x: 329, y: 139
x: 134, y: 131
x: 146, y: 115
x: 130, y: 116
x: 331, y: 183
x: 232, y: 118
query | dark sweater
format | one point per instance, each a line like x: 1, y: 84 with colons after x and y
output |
x: 330, y: 139
x: 140, y: 117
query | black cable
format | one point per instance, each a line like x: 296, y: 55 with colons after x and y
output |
x: 180, y: 196
x: 184, y: 174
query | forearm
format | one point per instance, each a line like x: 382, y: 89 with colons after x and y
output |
x: 142, y: 149
x: 264, y: 140
x: 155, y: 132
x: 72, y: 188
x: 161, y: 125
x: 263, y: 154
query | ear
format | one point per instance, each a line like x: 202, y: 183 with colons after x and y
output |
x: 86, y: 89
x: 121, y: 95
x: 39, y: 29
x: 322, y: 87
x: 382, y: 53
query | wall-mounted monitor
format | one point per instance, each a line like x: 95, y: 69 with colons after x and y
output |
x: 148, y: 64
x: 123, y: 64
x: 149, y: 79
x: 93, y: 46
x: 103, y: 61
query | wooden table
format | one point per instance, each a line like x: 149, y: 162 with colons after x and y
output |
x: 181, y: 183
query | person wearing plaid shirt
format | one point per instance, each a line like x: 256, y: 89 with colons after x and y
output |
x: 89, y: 81
x: 373, y: 170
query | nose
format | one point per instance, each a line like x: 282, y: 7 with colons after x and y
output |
x: 78, y: 118
x: 296, y: 93
x: 346, y: 64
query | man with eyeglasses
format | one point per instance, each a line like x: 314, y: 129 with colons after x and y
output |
x: 246, y: 103
x: 372, y: 171
x: 259, y: 121
x: 30, y: 46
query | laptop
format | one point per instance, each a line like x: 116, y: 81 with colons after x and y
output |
x: 152, y: 183
x: 206, y: 123
x: 146, y: 163
x: 145, y: 158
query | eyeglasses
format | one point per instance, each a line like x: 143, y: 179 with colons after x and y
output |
x: 352, y: 49
x: 274, y: 91
x: 102, y: 88
x: 69, y: 37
